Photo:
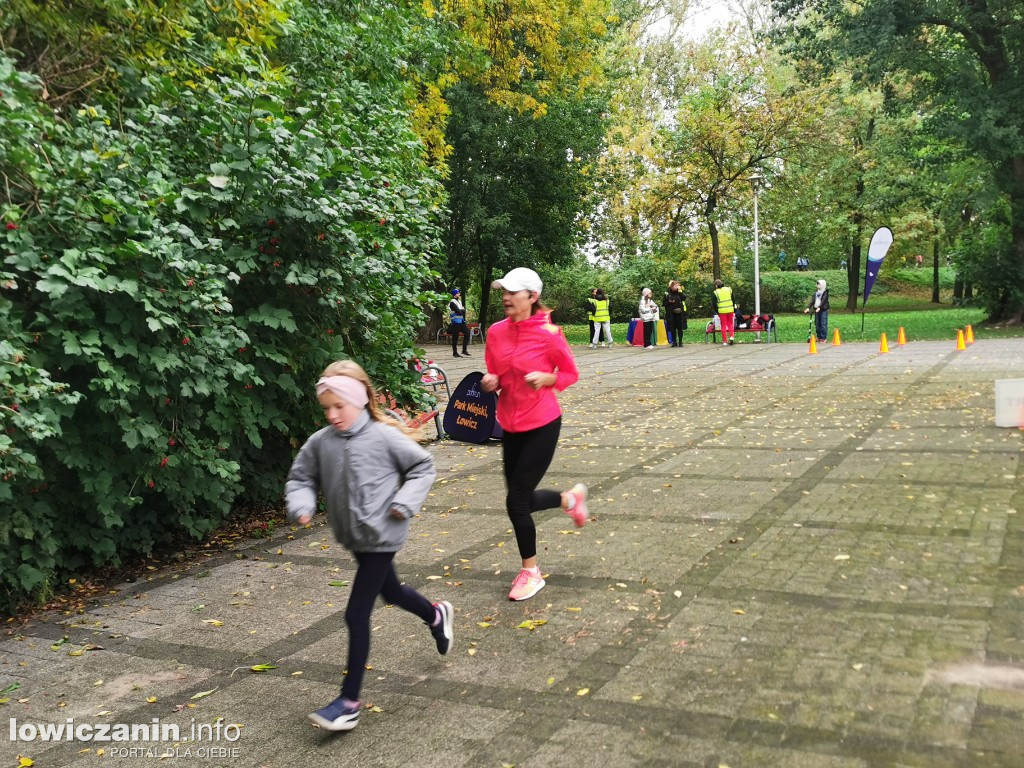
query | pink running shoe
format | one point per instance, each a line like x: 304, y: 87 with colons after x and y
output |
x: 526, y: 585
x: 579, y: 513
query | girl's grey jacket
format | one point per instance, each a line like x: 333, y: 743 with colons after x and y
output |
x: 364, y: 473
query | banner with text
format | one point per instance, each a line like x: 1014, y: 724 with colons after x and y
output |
x: 469, y: 415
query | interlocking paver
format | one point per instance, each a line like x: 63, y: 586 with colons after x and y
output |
x: 795, y: 561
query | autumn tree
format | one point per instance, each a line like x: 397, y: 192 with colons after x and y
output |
x: 736, y: 117
x: 966, y: 63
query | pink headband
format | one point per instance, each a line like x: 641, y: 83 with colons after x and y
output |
x: 348, y: 389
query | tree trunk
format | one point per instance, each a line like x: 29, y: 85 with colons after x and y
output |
x: 716, y: 253
x: 935, y: 271
x: 1013, y: 311
x: 958, y: 291
x: 486, y: 278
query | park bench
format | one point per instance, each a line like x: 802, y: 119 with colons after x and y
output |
x: 475, y: 332
x: 750, y: 324
x: 432, y: 376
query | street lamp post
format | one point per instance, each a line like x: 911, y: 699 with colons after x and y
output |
x: 757, y: 256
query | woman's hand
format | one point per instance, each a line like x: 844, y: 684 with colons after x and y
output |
x: 489, y: 382
x: 806, y: 311
x: 397, y: 513
x: 304, y: 519
x: 538, y: 379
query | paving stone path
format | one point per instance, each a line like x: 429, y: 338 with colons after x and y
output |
x: 795, y: 560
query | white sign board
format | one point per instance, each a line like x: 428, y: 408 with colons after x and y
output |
x: 1010, y: 403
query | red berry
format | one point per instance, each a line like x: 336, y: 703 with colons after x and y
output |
x: 242, y: 349
x: 271, y: 223
x: 330, y: 331
x: 190, y: 283
x: 277, y: 263
x: 274, y: 241
x: 387, y: 184
x: 172, y: 442
x: 11, y: 225
x: 150, y: 484
x: 383, y: 222
x: 163, y: 462
x: 376, y: 244
x: 185, y: 340
x: 14, y: 407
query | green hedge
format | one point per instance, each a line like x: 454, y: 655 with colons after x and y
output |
x: 176, y: 271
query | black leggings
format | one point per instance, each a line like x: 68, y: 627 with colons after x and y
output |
x: 374, y: 576
x: 455, y: 329
x: 527, y: 456
x: 675, y: 327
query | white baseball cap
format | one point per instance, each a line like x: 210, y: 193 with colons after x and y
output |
x: 520, y: 279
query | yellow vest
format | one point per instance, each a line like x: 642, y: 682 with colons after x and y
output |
x: 602, y: 315
x: 590, y: 309
x: 724, y: 297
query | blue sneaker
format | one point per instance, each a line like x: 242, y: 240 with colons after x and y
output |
x: 443, y: 633
x: 336, y: 716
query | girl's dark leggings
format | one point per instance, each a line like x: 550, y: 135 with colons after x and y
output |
x: 374, y: 576
x: 527, y: 457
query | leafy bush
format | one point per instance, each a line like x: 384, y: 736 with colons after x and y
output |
x: 177, y: 269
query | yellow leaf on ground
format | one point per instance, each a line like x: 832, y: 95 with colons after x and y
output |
x: 151, y: 699
x: 213, y: 622
x: 582, y: 691
x: 531, y: 624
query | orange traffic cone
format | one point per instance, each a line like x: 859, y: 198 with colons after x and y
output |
x: 969, y: 336
x: 836, y: 341
x: 901, y: 338
x: 814, y: 346
x: 960, y: 341
x: 884, y: 346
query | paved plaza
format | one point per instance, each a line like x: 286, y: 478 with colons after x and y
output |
x: 795, y: 560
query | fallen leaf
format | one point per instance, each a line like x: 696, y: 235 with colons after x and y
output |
x: 740, y: 612
x: 582, y: 691
x: 262, y: 667
x: 337, y: 583
x: 213, y: 622
x: 151, y: 699
x: 203, y: 694
x: 841, y: 557
x: 531, y: 624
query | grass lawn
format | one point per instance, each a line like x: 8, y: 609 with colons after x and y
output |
x: 918, y: 324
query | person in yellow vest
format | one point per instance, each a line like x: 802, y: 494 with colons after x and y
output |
x: 726, y: 311
x: 602, y: 319
x: 591, y: 309
x: 675, y: 312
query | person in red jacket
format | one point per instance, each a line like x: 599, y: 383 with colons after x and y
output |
x: 528, y: 359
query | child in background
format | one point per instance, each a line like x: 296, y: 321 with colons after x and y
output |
x: 374, y: 478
